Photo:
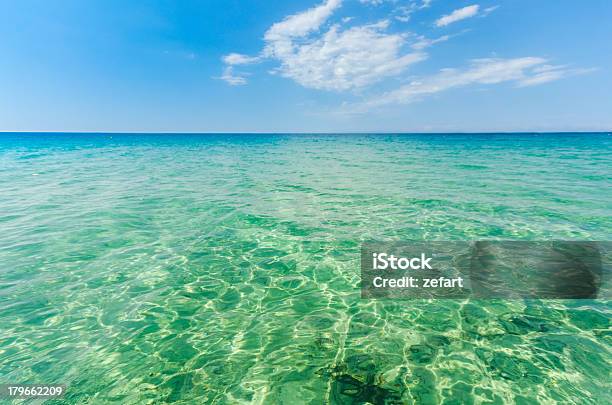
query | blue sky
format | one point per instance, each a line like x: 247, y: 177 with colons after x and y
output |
x: 325, y: 66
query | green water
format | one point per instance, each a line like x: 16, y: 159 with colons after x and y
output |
x: 225, y: 269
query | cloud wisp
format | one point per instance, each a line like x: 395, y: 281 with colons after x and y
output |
x: 240, y: 59
x: 527, y: 71
x: 403, y: 13
x: 458, y: 15
x: 232, y: 78
x: 233, y: 59
x: 422, y: 42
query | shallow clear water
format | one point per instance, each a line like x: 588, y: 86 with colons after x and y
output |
x: 225, y: 269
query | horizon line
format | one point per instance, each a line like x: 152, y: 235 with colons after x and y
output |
x: 304, y: 132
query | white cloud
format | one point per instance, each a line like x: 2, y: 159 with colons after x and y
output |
x: 231, y: 78
x: 343, y: 60
x: 239, y: 59
x: 426, y: 3
x: 457, y: 15
x: 414, y: 4
x: 527, y: 71
x: 548, y: 73
x: 279, y: 38
x: 320, y: 56
x: 403, y: 17
x: 299, y: 25
x: 488, y: 11
x: 423, y: 42
x: 336, y: 59
x: 404, y: 13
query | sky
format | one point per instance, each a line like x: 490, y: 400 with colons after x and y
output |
x: 305, y: 66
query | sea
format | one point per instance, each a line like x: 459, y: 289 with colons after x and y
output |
x: 225, y: 268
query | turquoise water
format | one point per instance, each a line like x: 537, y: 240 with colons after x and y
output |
x: 225, y: 268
